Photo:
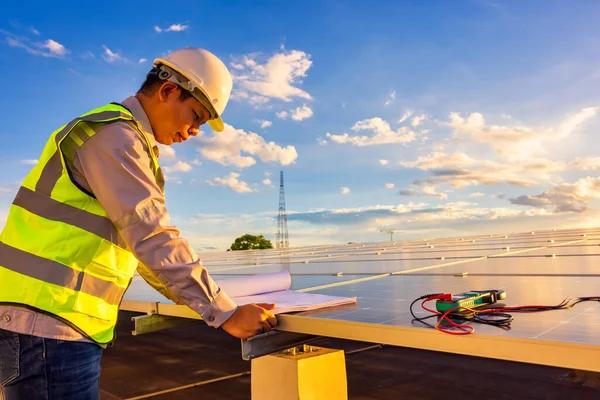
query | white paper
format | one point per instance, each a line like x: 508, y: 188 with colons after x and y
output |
x: 249, y: 285
x: 291, y: 300
x: 274, y: 288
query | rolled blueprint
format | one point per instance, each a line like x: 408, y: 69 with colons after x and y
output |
x: 250, y: 285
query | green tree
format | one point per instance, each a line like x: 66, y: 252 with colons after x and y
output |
x: 247, y: 242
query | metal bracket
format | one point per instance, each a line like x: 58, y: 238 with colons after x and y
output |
x: 154, y: 322
x: 272, y: 342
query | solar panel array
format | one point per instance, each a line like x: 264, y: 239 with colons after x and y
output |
x: 533, y: 267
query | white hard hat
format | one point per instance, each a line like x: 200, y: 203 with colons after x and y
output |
x: 204, y: 75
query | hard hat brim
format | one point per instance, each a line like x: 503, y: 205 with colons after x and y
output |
x: 216, y: 124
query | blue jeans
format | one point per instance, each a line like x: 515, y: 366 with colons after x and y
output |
x: 35, y: 368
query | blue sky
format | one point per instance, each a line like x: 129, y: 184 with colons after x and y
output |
x: 431, y: 118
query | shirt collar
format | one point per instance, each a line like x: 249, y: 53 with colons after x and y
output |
x: 136, y: 108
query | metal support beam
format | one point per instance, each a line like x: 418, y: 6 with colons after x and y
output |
x: 154, y: 322
x: 272, y: 342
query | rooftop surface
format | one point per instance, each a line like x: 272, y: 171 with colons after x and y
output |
x: 197, y: 362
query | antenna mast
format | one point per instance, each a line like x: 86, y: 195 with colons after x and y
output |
x: 282, y: 229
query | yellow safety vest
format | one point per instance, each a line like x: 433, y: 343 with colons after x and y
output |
x: 59, y: 252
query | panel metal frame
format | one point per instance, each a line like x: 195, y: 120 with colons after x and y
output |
x: 535, y: 351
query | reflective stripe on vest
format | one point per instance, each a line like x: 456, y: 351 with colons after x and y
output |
x: 59, y: 251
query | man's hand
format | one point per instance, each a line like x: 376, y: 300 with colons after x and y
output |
x: 250, y: 320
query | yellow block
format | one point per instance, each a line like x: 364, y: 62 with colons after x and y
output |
x: 301, y: 373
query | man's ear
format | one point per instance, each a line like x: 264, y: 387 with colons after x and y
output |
x: 167, y: 89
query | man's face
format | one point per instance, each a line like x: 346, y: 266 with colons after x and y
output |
x: 176, y: 120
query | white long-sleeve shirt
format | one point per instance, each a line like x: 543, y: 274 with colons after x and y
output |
x: 115, y: 166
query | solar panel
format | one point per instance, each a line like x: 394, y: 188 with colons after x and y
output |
x: 533, y: 267
x: 386, y: 301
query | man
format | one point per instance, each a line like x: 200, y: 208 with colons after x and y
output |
x: 89, y: 214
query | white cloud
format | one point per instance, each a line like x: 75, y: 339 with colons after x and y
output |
x: 231, y: 181
x: 171, y: 28
x: 302, y: 113
x: 413, y: 216
x: 440, y: 160
x: 49, y: 48
x: 265, y: 123
x: 267, y: 182
x: 518, y: 143
x: 423, y: 189
x: 344, y: 190
x: 166, y: 152
x: 110, y: 56
x: 390, y: 99
x: 418, y: 120
x: 179, y: 166
x: 276, y: 78
x: 517, y: 158
x: 384, y: 162
x: 142, y: 60
x: 459, y: 169
x: 29, y: 162
x: 390, y: 186
x: 571, y: 122
x: 476, y: 194
x: 177, y: 28
x: 475, y: 127
x: 170, y: 163
x: 354, y: 215
x: 566, y: 197
x: 55, y: 48
x: 382, y: 134
x: 430, y: 190
x: 255, y: 100
x: 405, y: 116
x: 282, y: 114
x: 227, y: 148
x: 362, y: 224
x: 585, y: 163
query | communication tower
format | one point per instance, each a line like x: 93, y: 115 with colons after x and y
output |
x: 282, y: 229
